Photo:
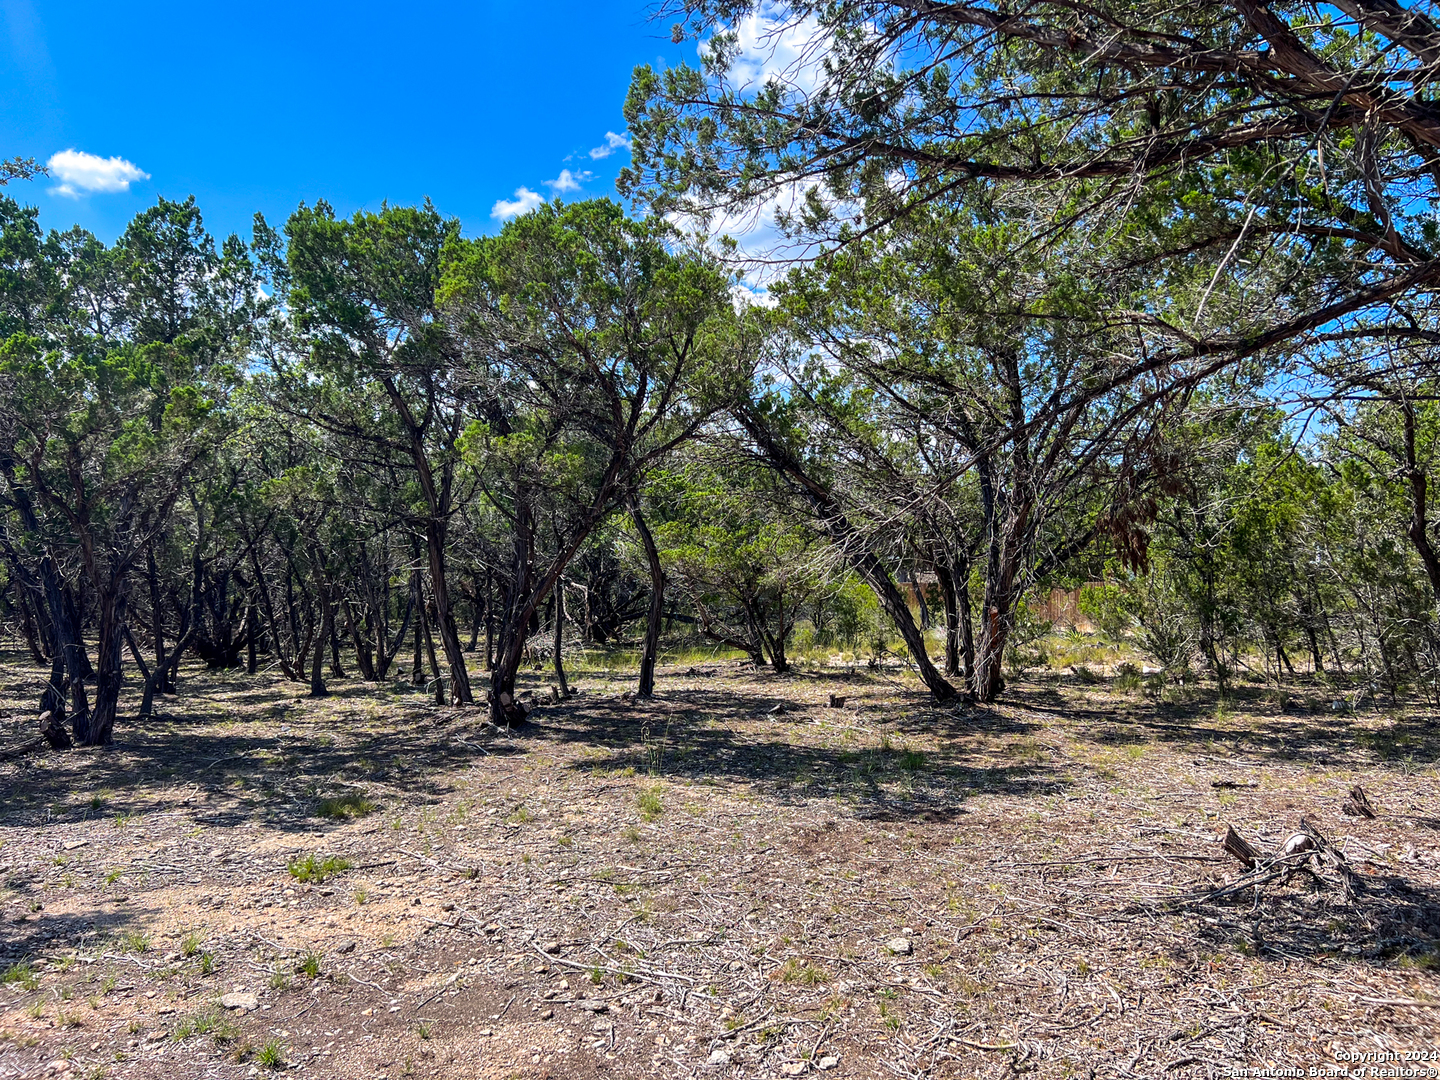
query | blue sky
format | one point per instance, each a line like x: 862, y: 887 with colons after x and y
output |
x: 259, y: 106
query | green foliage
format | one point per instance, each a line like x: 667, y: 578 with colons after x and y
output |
x: 20, y: 974
x: 346, y: 807
x: 312, y: 870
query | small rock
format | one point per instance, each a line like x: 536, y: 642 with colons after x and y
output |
x: 1296, y: 844
x: 593, y: 1006
x: 792, y: 1068
x: 900, y: 946
x: 718, y: 1057
x: 550, y: 946
x: 346, y: 948
x: 71, y: 845
x: 829, y: 1061
x: 248, y: 1002
x: 367, y: 1012
x: 165, y: 1010
x: 156, y: 1036
x: 58, y: 1067
x: 547, y: 1014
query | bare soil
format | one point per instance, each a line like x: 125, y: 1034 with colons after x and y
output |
x: 712, y: 884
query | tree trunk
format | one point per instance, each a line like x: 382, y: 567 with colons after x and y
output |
x: 68, y: 646
x: 99, y: 730
x: 489, y: 621
x: 336, y: 670
x: 417, y: 667
x: 952, y: 618
x: 388, y: 655
x: 967, y: 632
x: 560, y: 640
x: 317, y: 658
x: 147, y: 697
x: 998, y: 617
x: 460, y: 692
x: 27, y: 624
x: 364, y: 657
x: 651, y: 645
x: 277, y: 640
x: 1419, y: 527
x: 157, y: 614
x: 252, y: 631
x: 474, y: 617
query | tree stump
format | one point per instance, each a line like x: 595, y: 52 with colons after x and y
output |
x: 837, y: 701
x: 52, y: 728
x: 1241, y: 848
x: 1358, y: 804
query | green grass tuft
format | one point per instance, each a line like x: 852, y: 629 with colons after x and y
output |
x: 346, y: 807
x: 313, y: 871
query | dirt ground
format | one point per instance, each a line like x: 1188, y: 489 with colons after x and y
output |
x: 732, y: 880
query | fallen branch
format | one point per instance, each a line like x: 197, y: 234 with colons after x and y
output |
x: 646, y: 975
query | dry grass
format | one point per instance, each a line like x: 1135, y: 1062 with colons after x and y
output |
x: 566, y: 902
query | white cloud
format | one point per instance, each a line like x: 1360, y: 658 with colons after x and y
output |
x: 568, y: 181
x: 613, y: 142
x: 80, y: 173
x: 755, y: 239
x: 525, y: 200
x: 771, y: 44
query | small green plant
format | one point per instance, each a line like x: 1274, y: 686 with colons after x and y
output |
x: 361, y: 896
x: 311, y: 870
x: 278, y: 980
x: 114, y: 875
x: 212, y: 1022
x: 520, y: 816
x: 649, y: 803
x: 597, y: 976
x: 654, y: 748
x: 345, y: 807
x: 805, y: 974
x: 207, y: 963
x: 912, y: 761
x: 136, y: 941
x: 21, y: 974
x: 271, y: 1055
x: 190, y: 946
x: 892, y: 1021
x: 310, y: 964
x: 1127, y: 677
